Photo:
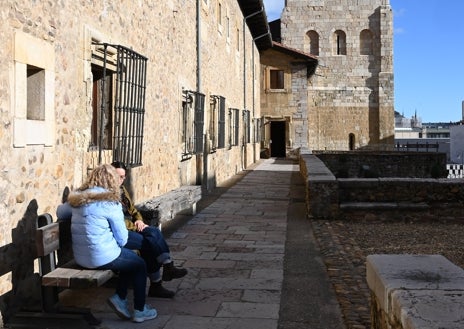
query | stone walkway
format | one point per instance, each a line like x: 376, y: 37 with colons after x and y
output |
x: 252, y: 258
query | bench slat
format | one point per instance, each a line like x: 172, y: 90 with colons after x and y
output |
x: 47, y: 239
x: 76, y: 278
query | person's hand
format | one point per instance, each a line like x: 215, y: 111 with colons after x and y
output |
x: 140, y: 225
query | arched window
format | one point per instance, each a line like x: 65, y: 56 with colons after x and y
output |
x: 339, y: 42
x: 313, y: 42
x: 351, y: 141
x: 365, y: 42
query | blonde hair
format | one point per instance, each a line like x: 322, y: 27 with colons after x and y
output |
x: 103, y: 176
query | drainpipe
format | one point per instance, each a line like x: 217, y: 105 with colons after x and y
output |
x: 201, y: 163
x: 244, y: 78
x: 244, y: 52
x: 253, y: 83
x: 198, y: 46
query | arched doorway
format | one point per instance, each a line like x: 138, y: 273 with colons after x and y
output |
x: 351, y: 141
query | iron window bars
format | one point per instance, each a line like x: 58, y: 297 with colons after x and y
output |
x: 217, y: 122
x: 129, y: 103
x: 193, y: 104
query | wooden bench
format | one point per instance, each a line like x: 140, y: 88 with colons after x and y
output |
x: 58, y: 270
x: 68, y: 274
x: 39, y: 261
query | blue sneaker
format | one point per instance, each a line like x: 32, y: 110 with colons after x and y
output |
x: 148, y: 313
x: 119, y: 306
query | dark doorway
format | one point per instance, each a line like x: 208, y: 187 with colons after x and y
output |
x: 278, y: 139
x: 351, y: 141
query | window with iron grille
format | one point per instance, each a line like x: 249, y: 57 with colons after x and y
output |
x: 118, y: 102
x: 246, y: 126
x: 217, y: 121
x: 222, y: 124
x: 193, y: 104
x: 234, y: 120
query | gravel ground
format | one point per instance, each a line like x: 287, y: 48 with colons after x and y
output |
x: 345, y: 245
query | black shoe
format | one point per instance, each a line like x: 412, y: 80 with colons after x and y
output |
x: 157, y: 290
x: 171, y: 272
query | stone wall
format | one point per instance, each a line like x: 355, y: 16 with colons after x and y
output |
x: 41, y: 156
x: 321, y: 188
x: 385, y: 198
x: 385, y: 164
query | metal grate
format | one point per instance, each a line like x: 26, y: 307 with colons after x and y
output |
x: 129, y: 103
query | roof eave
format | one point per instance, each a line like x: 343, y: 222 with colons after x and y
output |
x: 255, y: 17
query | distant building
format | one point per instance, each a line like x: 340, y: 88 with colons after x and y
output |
x: 347, y: 102
x: 457, y: 144
x: 413, y: 135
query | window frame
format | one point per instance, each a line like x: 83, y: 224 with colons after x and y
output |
x: 39, y: 128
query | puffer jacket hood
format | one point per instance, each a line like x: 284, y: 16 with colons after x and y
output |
x: 96, y: 194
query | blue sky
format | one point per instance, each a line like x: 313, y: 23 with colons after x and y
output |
x: 428, y: 55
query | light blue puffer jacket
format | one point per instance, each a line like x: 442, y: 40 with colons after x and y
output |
x: 97, y: 226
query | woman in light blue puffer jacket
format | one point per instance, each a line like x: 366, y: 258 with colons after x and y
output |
x: 99, y: 235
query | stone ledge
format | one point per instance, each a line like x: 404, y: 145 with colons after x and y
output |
x: 383, y: 206
x: 410, y: 290
x: 165, y: 207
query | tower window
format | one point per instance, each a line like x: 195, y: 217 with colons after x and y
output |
x: 365, y: 42
x: 339, y: 42
x: 313, y: 38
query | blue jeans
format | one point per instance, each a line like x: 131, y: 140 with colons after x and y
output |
x: 131, y: 269
x: 152, y: 246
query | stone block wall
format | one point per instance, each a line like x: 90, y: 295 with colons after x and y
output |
x: 321, y: 188
x: 41, y: 156
x: 385, y: 198
x: 385, y: 164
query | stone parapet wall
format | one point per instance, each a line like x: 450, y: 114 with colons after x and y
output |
x: 321, y: 188
x: 384, y: 164
x: 432, y: 191
x: 409, y: 199
x: 386, y: 198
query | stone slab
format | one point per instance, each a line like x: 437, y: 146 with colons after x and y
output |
x: 421, y: 291
x: 419, y: 309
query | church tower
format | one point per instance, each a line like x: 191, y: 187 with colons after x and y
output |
x: 350, y: 96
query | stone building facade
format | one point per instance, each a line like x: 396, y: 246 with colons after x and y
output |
x: 169, y: 87
x: 284, y: 98
x: 349, y: 99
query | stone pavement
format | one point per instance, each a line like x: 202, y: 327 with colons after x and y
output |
x: 252, y: 258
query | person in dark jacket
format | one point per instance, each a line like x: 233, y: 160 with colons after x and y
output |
x: 99, y: 237
x: 154, y: 248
